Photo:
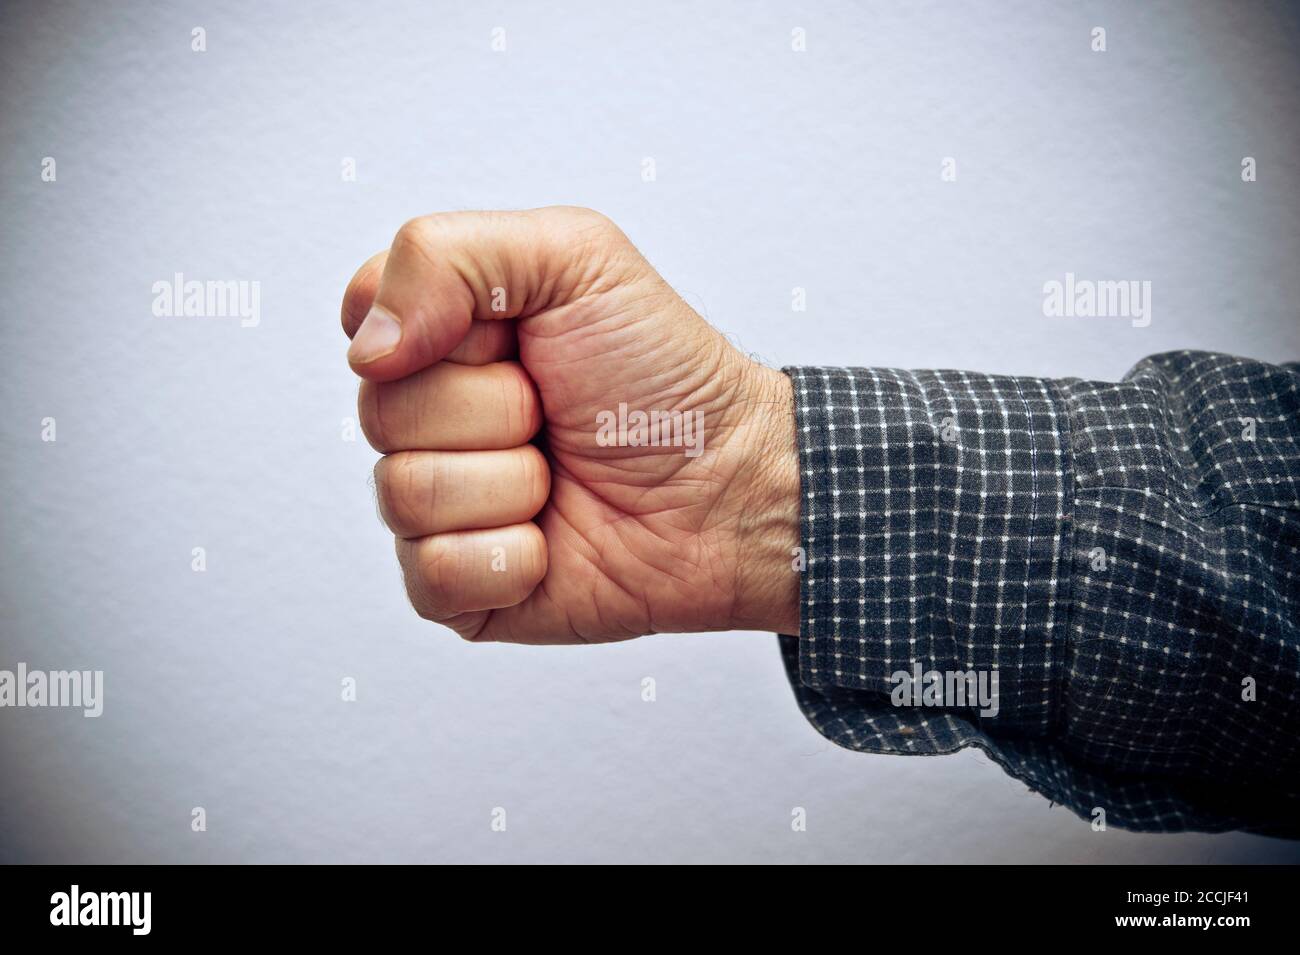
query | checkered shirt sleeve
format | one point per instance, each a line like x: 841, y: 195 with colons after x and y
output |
x: 1124, y: 556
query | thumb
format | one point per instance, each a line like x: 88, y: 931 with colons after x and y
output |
x: 443, y: 271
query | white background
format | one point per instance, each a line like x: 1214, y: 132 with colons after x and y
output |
x: 775, y: 169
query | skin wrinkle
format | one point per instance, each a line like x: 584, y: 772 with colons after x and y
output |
x: 642, y: 540
x: 640, y: 598
x: 621, y: 514
x: 597, y: 565
x: 365, y: 407
x: 473, y: 635
x: 389, y: 502
x: 506, y: 405
x: 612, y: 354
x: 404, y: 241
x: 700, y: 566
x: 536, y: 278
x: 595, y: 277
x: 668, y: 452
x: 545, y: 582
x: 629, y: 540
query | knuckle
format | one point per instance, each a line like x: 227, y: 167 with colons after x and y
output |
x: 585, y: 230
x: 404, y: 494
x: 588, y: 218
x: 388, y: 414
x: 383, y: 492
x: 522, y: 407
x: 360, y: 292
x: 438, y: 570
x: 535, y: 477
x: 602, y: 255
x: 423, y: 609
x: 415, y: 234
x: 600, y: 229
x: 407, y: 557
x: 425, y: 241
x: 532, y: 559
x: 349, y: 314
x: 419, y: 559
x: 370, y: 405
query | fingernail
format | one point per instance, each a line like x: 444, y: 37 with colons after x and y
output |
x: 378, y: 336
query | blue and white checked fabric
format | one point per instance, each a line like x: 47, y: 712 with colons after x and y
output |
x: 1125, y: 556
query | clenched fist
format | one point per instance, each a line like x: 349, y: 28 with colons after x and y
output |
x: 571, y: 454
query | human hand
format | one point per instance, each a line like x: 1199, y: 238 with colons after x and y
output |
x: 501, y: 351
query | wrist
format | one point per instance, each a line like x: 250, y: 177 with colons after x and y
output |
x: 767, y: 538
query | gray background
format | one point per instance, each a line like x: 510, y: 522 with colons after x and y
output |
x: 775, y: 169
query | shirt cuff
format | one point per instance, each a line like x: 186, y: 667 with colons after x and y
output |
x: 935, y: 534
